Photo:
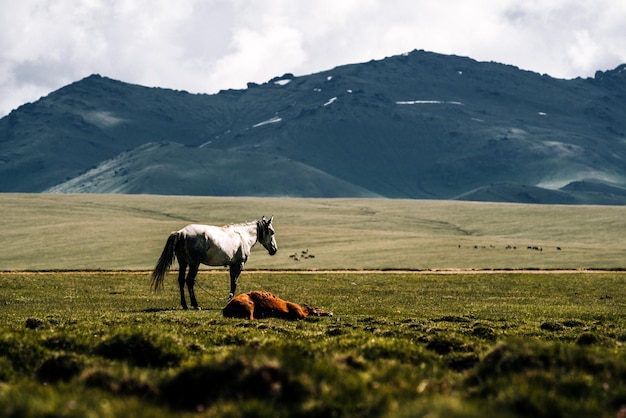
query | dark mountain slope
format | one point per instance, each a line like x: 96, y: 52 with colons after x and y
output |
x: 426, y: 125
x: 420, y: 125
x: 155, y: 168
x: 80, y: 125
x: 576, y: 193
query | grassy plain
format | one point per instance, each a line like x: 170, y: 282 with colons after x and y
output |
x: 127, y: 232
x: 82, y: 335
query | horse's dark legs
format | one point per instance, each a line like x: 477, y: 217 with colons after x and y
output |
x: 191, y: 279
x: 235, y: 271
x: 181, y: 283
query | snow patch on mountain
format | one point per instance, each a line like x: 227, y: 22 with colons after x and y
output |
x: 275, y: 119
x: 416, y: 102
x: 331, y: 101
x: 102, y: 119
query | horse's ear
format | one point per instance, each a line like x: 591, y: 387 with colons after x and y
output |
x: 270, y: 221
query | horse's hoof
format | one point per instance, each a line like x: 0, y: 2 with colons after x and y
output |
x: 197, y: 308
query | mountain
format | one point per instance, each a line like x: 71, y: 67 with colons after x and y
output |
x: 419, y: 125
x: 175, y: 169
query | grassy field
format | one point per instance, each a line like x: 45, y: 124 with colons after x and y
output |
x: 126, y: 232
x: 81, y: 334
x: 400, y: 344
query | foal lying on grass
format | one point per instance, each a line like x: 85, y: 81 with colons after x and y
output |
x: 261, y: 304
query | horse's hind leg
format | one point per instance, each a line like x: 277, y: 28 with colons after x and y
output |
x: 181, y: 283
x: 191, y: 279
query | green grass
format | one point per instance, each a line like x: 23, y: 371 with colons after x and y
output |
x: 82, y: 335
x: 400, y: 344
x: 126, y: 232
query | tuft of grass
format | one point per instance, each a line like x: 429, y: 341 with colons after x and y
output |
x: 21, y: 351
x: 124, y: 385
x: 141, y: 349
x: 230, y: 380
x: 60, y: 367
x: 550, y: 379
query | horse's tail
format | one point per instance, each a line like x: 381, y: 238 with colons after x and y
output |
x: 165, y: 261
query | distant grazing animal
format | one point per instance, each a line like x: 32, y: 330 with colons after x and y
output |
x: 228, y: 245
x: 261, y: 304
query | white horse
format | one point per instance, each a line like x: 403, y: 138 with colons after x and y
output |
x: 228, y: 245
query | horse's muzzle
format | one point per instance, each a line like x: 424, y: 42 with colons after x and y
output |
x: 272, y: 250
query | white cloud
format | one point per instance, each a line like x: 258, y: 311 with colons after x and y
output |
x: 256, y: 55
x: 208, y: 45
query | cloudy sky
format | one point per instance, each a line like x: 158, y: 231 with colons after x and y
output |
x: 203, y: 46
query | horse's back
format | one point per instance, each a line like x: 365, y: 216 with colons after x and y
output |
x: 210, y: 245
x: 195, y: 238
x: 193, y: 230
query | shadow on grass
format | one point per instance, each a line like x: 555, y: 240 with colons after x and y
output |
x: 173, y: 309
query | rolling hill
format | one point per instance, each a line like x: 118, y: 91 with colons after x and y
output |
x: 418, y: 125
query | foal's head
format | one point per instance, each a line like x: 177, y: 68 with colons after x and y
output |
x: 265, y: 235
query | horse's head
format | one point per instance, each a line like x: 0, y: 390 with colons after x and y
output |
x: 316, y: 311
x: 265, y: 235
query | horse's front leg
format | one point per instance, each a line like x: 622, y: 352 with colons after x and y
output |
x: 181, y: 283
x: 235, y: 271
x: 191, y: 279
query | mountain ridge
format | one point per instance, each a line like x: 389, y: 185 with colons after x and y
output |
x: 418, y: 125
